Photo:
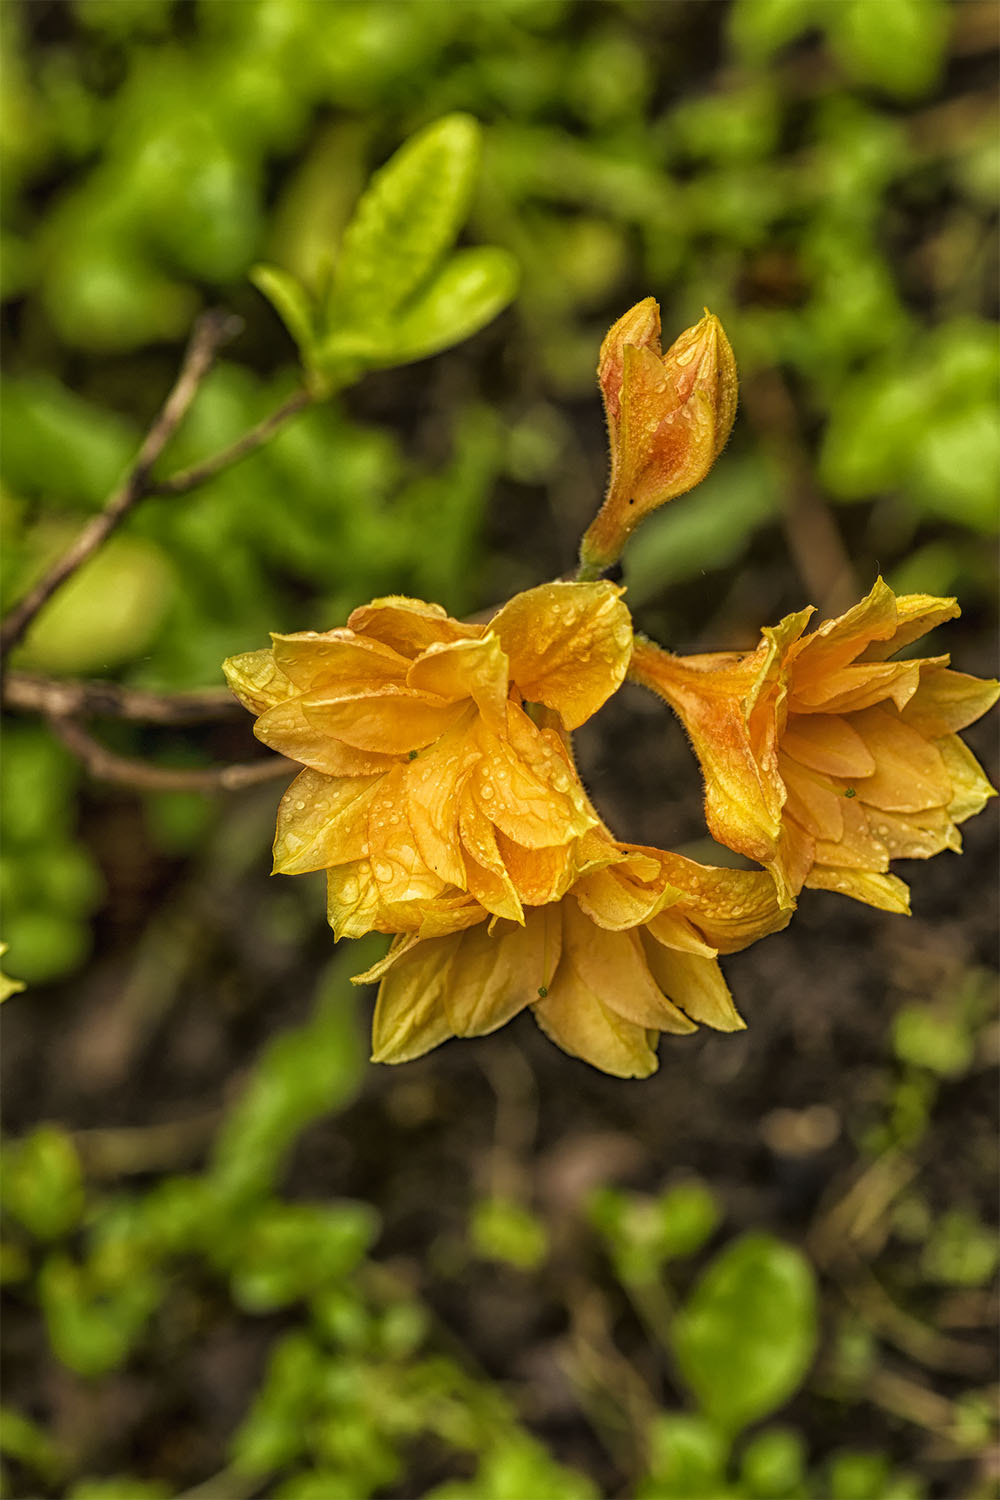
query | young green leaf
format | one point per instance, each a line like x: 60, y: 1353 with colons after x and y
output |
x: 406, y: 219
x: 463, y: 297
x: 291, y: 302
x: 747, y: 1334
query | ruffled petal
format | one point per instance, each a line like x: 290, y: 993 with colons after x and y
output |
x: 916, y: 615
x: 286, y: 729
x: 887, y: 892
x: 970, y: 788
x: 731, y: 908
x: 909, y: 772
x: 389, y: 720
x: 522, y: 784
x: 485, y: 871
x: 410, y: 1014
x: 336, y: 659
x: 256, y: 680
x: 569, y: 646
x: 409, y: 626
x: 495, y: 976
x: 836, y: 643
x: 829, y: 744
x: 398, y: 869
x: 322, y: 821
x: 577, y: 1022
x: 859, y: 686
x: 859, y: 846
x: 433, y: 785
x: 352, y: 899
x: 695, y: 984
x: 467, y: 669
x: 947, y: 701
x: 611, y: 967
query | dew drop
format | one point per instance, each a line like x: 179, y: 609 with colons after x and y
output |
x: 349, y: 891
x: 300, y: 806
x: 486, y: 791
x: 383, y: 872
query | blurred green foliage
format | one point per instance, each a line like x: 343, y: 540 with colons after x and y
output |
x: 800, y: 166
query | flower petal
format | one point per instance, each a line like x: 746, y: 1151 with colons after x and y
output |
x: 909, y: 772
x: 695, y: 983
x: 829, y: 744
x: 836, y: 643
x: 322, y: 821
x: 286, y: 729
x: 433, y: 785
x: 352, y: 899
x: 577, y: 1022
x: 523, y: 785
x: 485, y: 871
x: 256, y: 680
x: 884, y: 891
x: 495, y: 976
x: 467, y: 669
x: 336, y: 658
x: 946, y: 701
x: 569, y: 645
x: 398, y: 869
x: 859, y: 686
x: 916, y: 615
x: 732, y: 908
x: 859, y: 846
x: 410, y: 1015
x: 612, y: 967
x: 409, y: 625
x: 390, y: 720
x: 971, y: 788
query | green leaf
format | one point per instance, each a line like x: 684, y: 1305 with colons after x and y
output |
x: 747, y: 1334
x: 687, y: 1459
x: 25, y: 1441
x: 774, y: 1464
x: 406, y: 219
x: 292, y: 302
x: 465, y: 295
x: 927, y: 1037
x: 501, y: 1230
x: 858, y: 1476
x: 43, y: 1183
x: 898, y: 45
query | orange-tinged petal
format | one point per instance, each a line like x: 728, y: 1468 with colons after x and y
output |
x: 639, y: 327
x: 909, y: 772
x: 409, y: 626
x: 322, y: 821
x: 673, y: 930
x: 918, y: 835
x: 539, y: 875
x: 946, y: 701
x: 256, y: 680
x: 887, y: 892
x: 398, y: 869
x: 828, y: 743
x: 859, y: 686
x: 388, y: 719
x: 859, y: 847
x: 695, y: 984
x: 337, y: 659
x: 732, y: 908
x: 569, y: 645
x: 615, y: 899
x: 466, y: 669
x: 611, y: 967
x: 286, y: 729
x: 836, y: 643
x: 812, y: 800
x: 485, y: 872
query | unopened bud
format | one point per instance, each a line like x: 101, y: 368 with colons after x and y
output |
x: 669, y: 416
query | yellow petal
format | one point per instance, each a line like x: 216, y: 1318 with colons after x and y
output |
x: 835, y: 643
x: 485, y: 872
x: 813, y: 801
x: 859, y: 686
x: 673, y: 930
x: 884, y: 891
x: 695, y: 983
x: 390, y: 720
x: 433, y: 785
x: 539, y: 875
x: 829, y: 744
x: 614, y: 898
x: 410, y: 1015
x: 352, y: 899
x: 398, y: 869
x: 286, y: 729
x: 909, y: 772
x: 336, y: 659
x: 611, y: 966
x: 918, y: 835
x: 493, y: 977
x: 322, y: 821
x: 577, y: 1022
x: 466, y: 669
x: 947, y: 701
x: 569, y: 646
x: 916, y: 614
x: 970, y: 786
x: 859, y: 846
x: 256, y: 680
x: 409, y: 625
x: 732, y: 908
x: 523, y: 786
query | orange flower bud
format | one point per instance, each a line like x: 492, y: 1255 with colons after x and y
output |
x: 669, y: 416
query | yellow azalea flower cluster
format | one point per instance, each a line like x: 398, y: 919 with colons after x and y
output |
x: 440, y: 795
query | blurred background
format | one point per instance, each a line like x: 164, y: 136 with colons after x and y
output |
x: 239, y: 1260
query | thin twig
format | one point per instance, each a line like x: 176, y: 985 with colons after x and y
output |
x: 189, y: 479
x: 212, y: 330
x: 66, y: 698
x: 105, y: 765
